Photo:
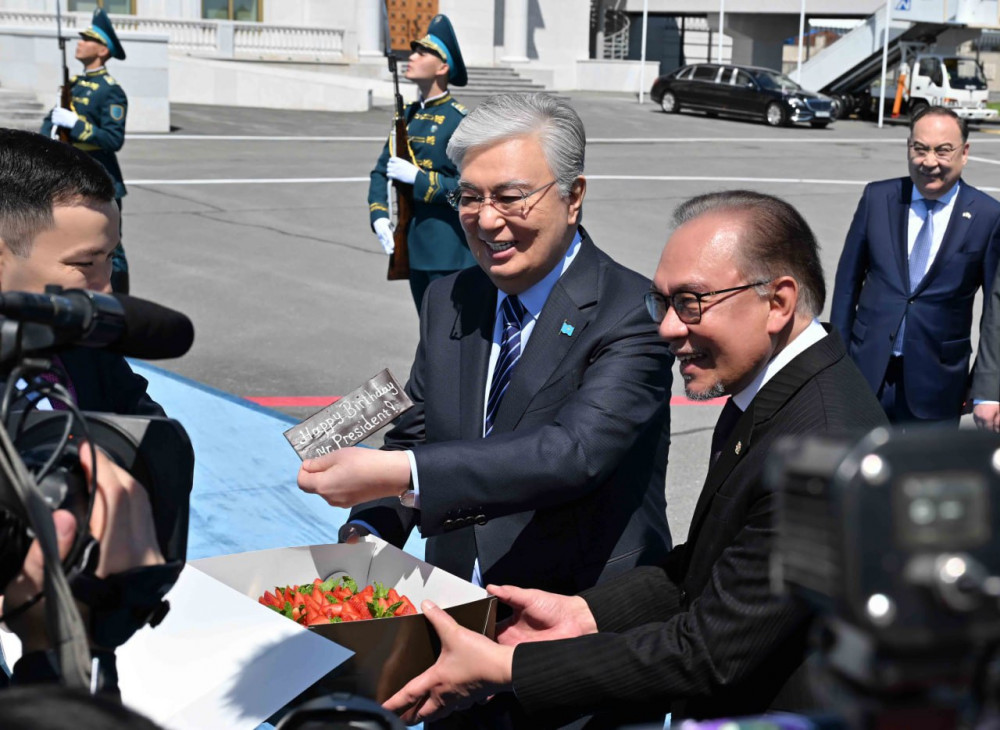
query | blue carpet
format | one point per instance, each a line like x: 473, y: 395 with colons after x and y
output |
x: 244, y: 496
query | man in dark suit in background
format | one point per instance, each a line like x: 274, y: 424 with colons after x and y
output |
x: 59, y: 225
x: 537, y: 447
x: 736, y: 295
x: 917, y: 251
x: 985, y: 392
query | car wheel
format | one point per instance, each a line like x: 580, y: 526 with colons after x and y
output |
x: 837, y: 108
x: 669, y: 103
x: 819, y: 125
x: 917, y: 108
x: 775, y: 115
x: 869, y: 109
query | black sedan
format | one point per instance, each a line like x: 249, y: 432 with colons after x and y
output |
x: 745, y: 91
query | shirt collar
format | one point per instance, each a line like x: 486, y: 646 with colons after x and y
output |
x: 534, y: 297
x: 425, y: 102
x: 806, y: 339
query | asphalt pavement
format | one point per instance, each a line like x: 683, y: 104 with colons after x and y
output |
x: 255, y: 223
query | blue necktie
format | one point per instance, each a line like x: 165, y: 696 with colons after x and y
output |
x: 512, y: 311
x: 921, y: 253
x: 920, y: 257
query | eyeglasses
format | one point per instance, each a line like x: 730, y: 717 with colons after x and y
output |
x: 686, y: 304
x: 508, y: 202
x: 941, y: 152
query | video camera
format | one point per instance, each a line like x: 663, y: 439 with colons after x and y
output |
x: 895, y: 539
x: 40, y: 469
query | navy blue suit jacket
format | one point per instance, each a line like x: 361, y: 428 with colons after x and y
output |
x: 569, y: 488
x: 872, y: 293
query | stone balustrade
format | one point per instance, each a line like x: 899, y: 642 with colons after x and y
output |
x: 210, y: 38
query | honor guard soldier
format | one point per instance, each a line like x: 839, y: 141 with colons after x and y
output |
x: 435, y: 240
x: 96, y: 117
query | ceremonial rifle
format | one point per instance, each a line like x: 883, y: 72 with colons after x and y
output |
x: 399, y: 259
x: 65, y: 93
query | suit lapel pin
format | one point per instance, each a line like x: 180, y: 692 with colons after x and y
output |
x: 566, y: 329
x: 739, y: 447
x: 966, y: 214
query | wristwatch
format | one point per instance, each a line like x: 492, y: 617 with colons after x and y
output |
x: 408, y: 498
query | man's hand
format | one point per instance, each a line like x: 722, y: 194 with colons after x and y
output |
x: 383, y: 229
x: 354, y: 475
x: 62, y: 117
x: 471, y: 668
x: 987, y: 416
x: 541, y: 616
x: 122, y: 521
x: 30, y: 625
x: 401, y: 170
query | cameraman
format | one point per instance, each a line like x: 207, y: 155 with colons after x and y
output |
x: 59, y: 225
x: 122, y: 521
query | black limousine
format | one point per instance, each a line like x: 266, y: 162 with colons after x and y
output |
x: 745, y: 91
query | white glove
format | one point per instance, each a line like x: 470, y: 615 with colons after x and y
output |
x: 401, y: 170
x: 383, y: 229
x: 64, y: 117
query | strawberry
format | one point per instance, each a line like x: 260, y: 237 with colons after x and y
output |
x: 359, y: 604
x: 336, y: 600
x: 407, y: 608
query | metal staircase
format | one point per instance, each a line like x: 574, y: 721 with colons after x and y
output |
x: 847, y: 68
x: 850, y: 89
x: 616, y: 34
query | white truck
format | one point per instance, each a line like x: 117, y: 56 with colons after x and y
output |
x: 956, y: 82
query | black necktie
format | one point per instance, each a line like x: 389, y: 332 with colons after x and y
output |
x: 724, y: 427
x: 511, y: 311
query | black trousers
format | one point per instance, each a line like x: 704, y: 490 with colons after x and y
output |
x: 119, y: 264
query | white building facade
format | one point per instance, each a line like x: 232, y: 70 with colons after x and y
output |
x: 328, y: 54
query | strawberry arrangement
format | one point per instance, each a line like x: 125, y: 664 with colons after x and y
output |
x: 336, y: 600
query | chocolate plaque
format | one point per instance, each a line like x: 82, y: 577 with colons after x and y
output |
x: 351, y: 419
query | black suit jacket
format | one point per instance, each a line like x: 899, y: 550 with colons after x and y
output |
x: 986, y: 374
x: 104, y: 382
x: 872, y: 293
x: 703, y: 633
x: 569, y: 488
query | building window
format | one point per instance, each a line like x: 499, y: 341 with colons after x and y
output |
x: 231, y: 10
x: 113, y: 7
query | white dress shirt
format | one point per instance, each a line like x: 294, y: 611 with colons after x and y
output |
x: 806, y: 339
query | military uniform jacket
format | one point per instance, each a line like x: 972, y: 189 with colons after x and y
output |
x: 102, y: 107
x: 436, y: 241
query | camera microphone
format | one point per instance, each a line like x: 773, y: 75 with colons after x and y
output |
x: 116, y: 322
